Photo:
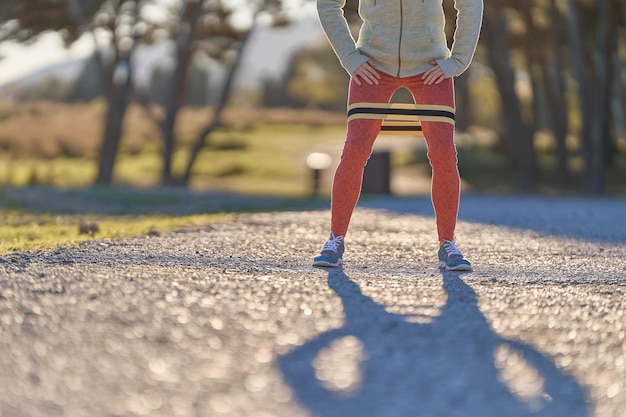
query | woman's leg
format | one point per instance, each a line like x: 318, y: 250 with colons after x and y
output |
x: 360, y: 138
x: 445, y: 188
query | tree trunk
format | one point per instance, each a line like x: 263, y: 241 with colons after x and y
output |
x: 620, y: 96
x: 108, y: 149
x: 463, y: 101
x: 619, y: 69
x: 611, y: 130
x: 121, y: 85
x: 219, y: 107
x: 176, y: 96
x: 116, y: 96
x: 577, y: 52
x: 535, y: 72
x: 603, y: 66
x: 555, y: 86
x: 76, y: 13
x: 521, y: 153
x: 116, y: 112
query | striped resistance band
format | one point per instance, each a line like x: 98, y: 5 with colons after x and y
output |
x: 401, y: 118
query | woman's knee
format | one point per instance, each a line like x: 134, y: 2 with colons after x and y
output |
x: 443, y: 155
x: 356, y: 153
x: 360, y: 140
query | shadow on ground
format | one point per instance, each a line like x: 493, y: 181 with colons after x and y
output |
x: 128, y: 200
x: 595, y: 219
x: 445, y: 367
x: 582, y: 218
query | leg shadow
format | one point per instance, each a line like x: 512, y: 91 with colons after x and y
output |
x: 446, y: 367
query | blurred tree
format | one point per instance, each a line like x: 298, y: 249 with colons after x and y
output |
x: 184, y: 35
x: 314, y: 78
x: 195, y: 28
x: 274, y: 93
x: 582, y: 73
x: 569, y: 51
x: 25, y: 20
x: 572, y: 52
x: 553, y: 60
x: 593, y: 28
x: 197, y: 93
x: 50, y: 88
x: 124, y: 26
x: 606, y: 54
x: 89, y: 84
x: 220, y: 30
x: 518, y: 134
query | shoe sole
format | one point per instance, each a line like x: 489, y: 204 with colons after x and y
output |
x: 328, y: 264
x: 442, y: 265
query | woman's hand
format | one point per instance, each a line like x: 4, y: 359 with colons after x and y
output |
x: 434, y: 75
x: 367, y: 72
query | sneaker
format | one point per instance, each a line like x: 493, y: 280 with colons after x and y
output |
x: 331, y: 252
x: 451, y: 257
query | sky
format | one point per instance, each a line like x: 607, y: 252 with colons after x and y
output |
x: 268, y: 51
x: 266, y: 54
x: 18, y: 60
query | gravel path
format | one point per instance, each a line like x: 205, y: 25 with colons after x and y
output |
x: 231, y: 320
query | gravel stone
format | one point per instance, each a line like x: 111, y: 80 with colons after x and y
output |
x: 231, y: 319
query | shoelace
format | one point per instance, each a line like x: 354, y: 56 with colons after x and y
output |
x: 452, y: 249
x: 333, y: 243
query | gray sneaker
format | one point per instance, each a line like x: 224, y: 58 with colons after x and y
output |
x: 332, y: 252
x: 451, y: 257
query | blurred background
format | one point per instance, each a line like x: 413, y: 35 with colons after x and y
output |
x: 233, y: 95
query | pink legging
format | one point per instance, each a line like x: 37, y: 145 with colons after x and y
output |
x: 362, y: 133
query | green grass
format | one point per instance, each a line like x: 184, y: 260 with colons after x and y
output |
x: 257, y: 166
x: 43, y: 218
x: 23, y: 231
x: 249, y: 163
x: 260, y: 159
x: 61, y: 172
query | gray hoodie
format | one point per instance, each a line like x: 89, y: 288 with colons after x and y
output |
x: 403, y: 36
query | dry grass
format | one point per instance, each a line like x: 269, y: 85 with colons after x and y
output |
x: 47, y: 130
x: 22, y: 231
x: 262, y: 151
x: 50, y: 130
x: 43, y: 143
x: 41, y: 218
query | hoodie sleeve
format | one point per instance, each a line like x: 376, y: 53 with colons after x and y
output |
x: 336, y: 29
x: 468, y: 24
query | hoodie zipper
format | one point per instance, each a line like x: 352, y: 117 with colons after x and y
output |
x: 400, y: 39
